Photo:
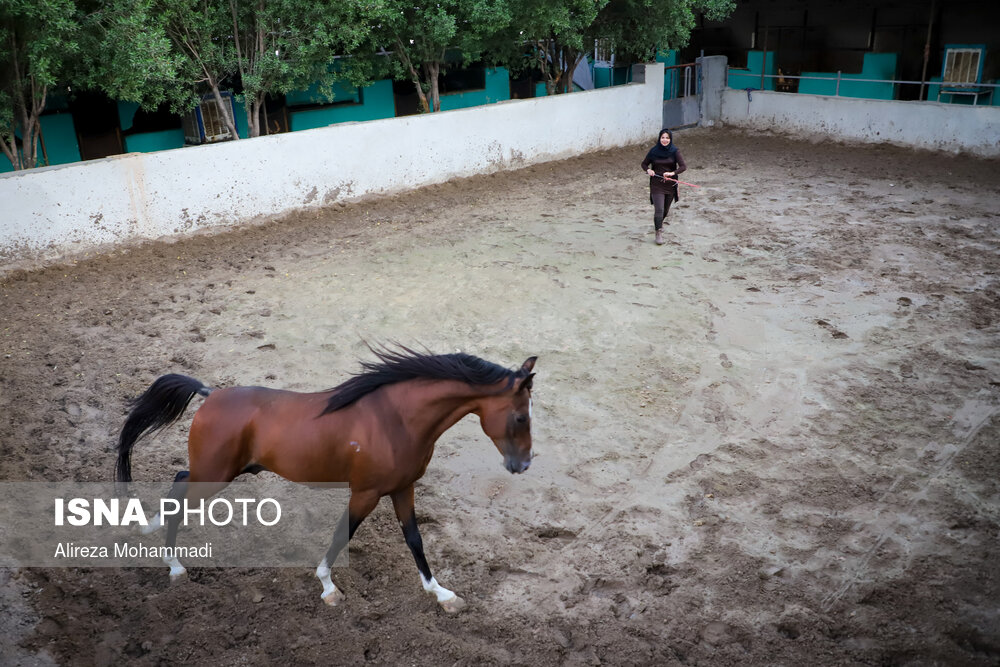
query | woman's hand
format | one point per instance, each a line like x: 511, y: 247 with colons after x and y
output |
x: 651, y: 172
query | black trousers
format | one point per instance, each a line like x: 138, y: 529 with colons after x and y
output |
x: 661, y: 206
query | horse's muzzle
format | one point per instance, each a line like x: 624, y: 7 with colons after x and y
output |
x: 517, y: 466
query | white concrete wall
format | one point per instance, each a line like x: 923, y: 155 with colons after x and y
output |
x: 54, y: 211
x: 928, y: 125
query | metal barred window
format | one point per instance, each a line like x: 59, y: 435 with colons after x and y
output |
x: 961, y: 66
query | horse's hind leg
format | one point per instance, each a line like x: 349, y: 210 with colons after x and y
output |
x: 402, y: 501
x: 360, y: 506
x: 183, y: 494
x: 178, y: 492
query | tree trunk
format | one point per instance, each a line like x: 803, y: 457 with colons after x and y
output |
x: 571, y: 59
x: 225, y: 109
x: 254, y: 108
x: 29, y: 106
x: 433, y: 72
x: 31, y: 128
x: 180, y: 41
x: 10, y: 150
x: 414, y: 75
x: 250, y: 56
x: 242, y: 68
x: 27, y: 136
x: 546, y: 64
x: 424, y: 103
x: 558, y: 63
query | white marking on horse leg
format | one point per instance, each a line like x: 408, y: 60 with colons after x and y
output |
x: 177, y: 570
x: 330, y: 594
x: 450, y: 602
x: 437, y: 589
x: 153, y: 526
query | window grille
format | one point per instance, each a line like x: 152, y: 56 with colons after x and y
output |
x: 205, y: 123
x: 961, y: 66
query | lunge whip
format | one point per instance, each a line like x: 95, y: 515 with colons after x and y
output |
x: 690, y: 185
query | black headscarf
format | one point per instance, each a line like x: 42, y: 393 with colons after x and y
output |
x: 661, y: 152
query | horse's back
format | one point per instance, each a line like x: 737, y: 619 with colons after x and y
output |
x: 239, y: 426
x: 288, y: 433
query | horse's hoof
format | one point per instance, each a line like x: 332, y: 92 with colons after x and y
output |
x: 454, y: 605
x: 334, y: 598
x: 179, y: 577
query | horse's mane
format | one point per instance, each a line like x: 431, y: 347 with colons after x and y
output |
x: 397, y: 365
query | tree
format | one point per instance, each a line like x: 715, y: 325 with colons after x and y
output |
x: 637, y: 29
x: 552, y: 35
x: 555, y: 36
x: 162, y: 50
x: 283, y: 45
x: 37, y: 46
x: 156, y: 51
x: 127, y: 54
x: 421, y: 36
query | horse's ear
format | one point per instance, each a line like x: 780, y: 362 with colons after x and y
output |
x: 528, y: 365
x: 526, y: 370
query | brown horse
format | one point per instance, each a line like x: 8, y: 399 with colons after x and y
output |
x: 375, y: 431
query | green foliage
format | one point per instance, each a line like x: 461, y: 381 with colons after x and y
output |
x: 38, y: 39
x: 283, y: 45
x: 566, y: 22
x: 421, y: 37
x: 637, y: 29
x: 553, y: 37
x: 38, y: 43
x: 154, y: 52
x: 129, y: 56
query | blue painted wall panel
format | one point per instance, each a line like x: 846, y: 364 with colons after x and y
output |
x: 59, y: 135
x: 749, y: 77
x: 497, y: 89
x: 377, y: 102
x: 876, y: 66
x: 147, y: 142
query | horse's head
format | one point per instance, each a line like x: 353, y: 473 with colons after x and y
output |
x: 506, y: 419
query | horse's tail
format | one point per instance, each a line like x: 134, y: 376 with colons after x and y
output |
x: 161, y: 405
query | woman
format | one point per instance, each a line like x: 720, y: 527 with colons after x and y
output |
x: 663, y: 161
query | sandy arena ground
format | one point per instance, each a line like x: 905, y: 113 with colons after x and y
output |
x: 773, y: 441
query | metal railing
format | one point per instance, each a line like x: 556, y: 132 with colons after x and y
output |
x: 681, y: 81
x: 944, y: 87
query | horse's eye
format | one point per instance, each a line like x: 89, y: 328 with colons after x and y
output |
x: 521, y: 419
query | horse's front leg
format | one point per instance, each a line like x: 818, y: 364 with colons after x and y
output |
x: 402, y: 501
